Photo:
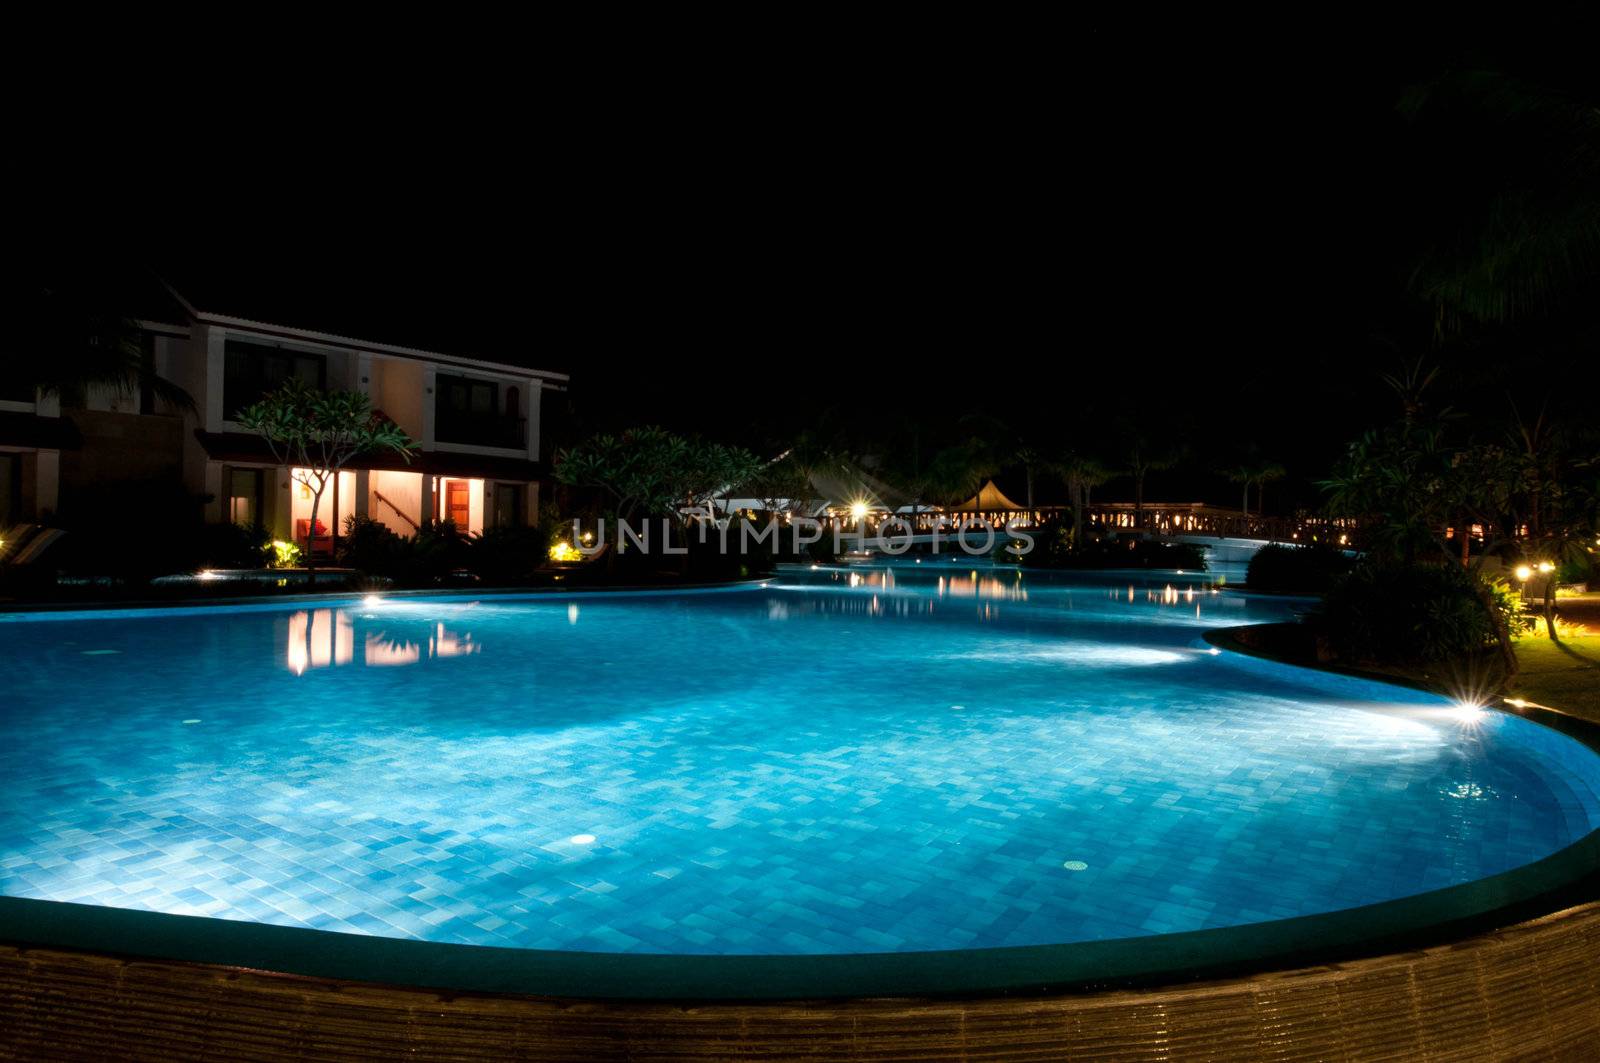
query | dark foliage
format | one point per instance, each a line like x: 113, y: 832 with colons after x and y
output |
x: 230, y: 546
x: 1053, y: 548
x: 433, y: 556
x: 1277, y: 567
x: 1412, y: 614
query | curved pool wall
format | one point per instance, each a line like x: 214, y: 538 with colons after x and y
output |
x: 163, y: 845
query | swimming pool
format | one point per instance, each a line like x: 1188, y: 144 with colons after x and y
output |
x: 871, y: 760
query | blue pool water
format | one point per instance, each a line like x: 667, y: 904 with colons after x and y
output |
x: 870, y: 760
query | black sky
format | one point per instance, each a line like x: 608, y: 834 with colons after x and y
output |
x: 1202, y: 225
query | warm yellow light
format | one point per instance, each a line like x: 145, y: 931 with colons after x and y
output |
x: 1546, y: 566
x: 284, y: 555
x: 858, y: 510
x: 564, y: 551
x: 1523, y: 573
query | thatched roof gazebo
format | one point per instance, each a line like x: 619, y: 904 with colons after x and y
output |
x: 989, y: 499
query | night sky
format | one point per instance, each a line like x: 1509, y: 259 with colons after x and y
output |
x: 1208, y: 233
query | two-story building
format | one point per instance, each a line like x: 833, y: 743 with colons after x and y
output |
x: 476, y: 423
x: 32, y: 435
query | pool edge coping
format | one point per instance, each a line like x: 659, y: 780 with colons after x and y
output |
x: 17, y: 612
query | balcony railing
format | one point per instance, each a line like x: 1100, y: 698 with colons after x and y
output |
x: 482, y: 430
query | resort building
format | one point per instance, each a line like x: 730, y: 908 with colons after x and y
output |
x: 32, y: 435
x: 476, y: 423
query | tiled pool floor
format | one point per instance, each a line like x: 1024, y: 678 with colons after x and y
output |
x: 939, y: 760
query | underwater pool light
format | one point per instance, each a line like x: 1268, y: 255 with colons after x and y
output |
x: 371, y: 601
x: 1465, y: 711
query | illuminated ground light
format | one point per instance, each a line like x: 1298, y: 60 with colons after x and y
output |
x: 1465, y: 711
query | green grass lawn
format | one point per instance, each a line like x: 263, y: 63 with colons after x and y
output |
x: 1564, y: 676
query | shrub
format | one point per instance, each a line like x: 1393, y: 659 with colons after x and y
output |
x: 282, y: 554
x: 371, y: 547
x: 1278, y: 567
x: 1399, y: 614
x: 1577, y: 569
x: 230, y: 546
x: 1053, y: 548
x: 421, y: 560
x: 508, y: 555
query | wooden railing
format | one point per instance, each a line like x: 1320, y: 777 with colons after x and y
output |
x: 1192, y: 518
x: 1225, y: 524
x: 398, y: 511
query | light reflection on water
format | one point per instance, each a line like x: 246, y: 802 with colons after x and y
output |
x: 320, y: 638
x: 663, y: 774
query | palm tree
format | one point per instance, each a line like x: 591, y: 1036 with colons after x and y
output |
x: 1254, y: 472
x: 997, y: 444
x: 1081, y: 473
x: 1266, y: 474
x: 1516, y: 232
x: 1143, y: 459
x: 1241, y: 474
x: 72, y: 341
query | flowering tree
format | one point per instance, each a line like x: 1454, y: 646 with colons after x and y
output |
x: 651, y: 472
x: 317, y: 433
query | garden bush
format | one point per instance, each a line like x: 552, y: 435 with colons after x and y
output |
x: 371, y: 547
x: 440, y: 551
x: 1053, y: 548
x: 508, y: 555
x: 1417, y: 614
x: 1279, y: 567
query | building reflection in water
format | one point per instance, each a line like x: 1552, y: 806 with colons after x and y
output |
x: 321, y: 637
x: 993, y: 588
x: 1170, y: 595
x: 889, y: 596
x: 318, y: 638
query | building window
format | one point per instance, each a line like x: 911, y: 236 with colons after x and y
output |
x: 513, y: 402
x: 459, y: 396
x: 508, y: 505
x: 10, y: 490
x: 251, y: 370
x: 468, y: 411
x: 244, y: 496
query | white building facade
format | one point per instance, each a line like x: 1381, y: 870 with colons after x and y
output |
x: 476, y: 424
